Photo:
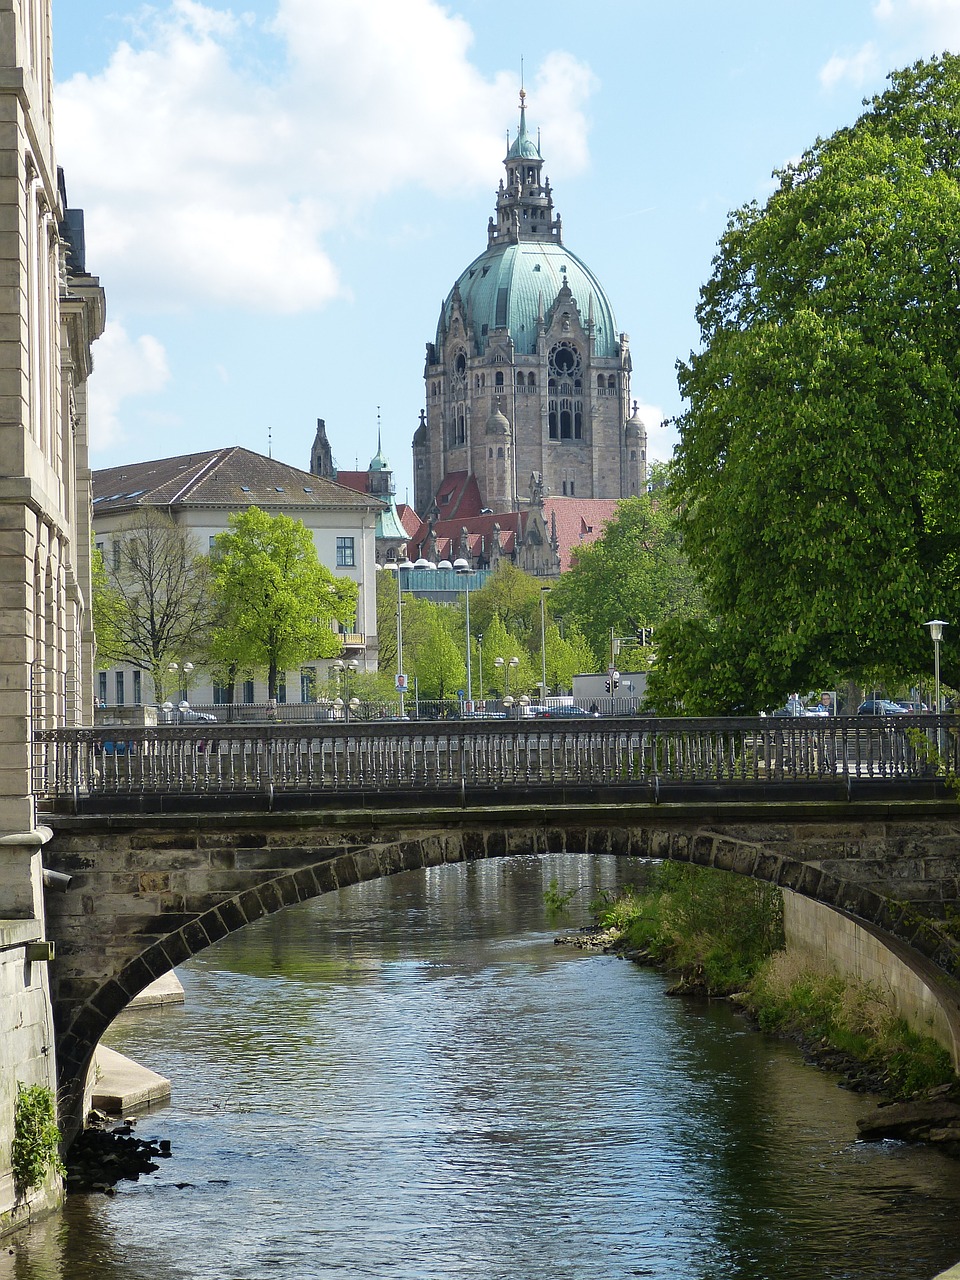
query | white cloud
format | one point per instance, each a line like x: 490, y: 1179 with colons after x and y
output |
x: 662, y: 435
x: 907, y: 29
x: 935, y: 23
x: 124, y: 367
x: 209, y: 174
x: 859, y: 68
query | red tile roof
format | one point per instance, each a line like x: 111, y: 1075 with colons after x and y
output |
x: 579, y: 521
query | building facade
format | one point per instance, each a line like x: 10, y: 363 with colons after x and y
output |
x: 200, y: 492
x: 51, y: 311
x: 528, y: 379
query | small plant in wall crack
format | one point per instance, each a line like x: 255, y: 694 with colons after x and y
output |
x: 36, y: 1138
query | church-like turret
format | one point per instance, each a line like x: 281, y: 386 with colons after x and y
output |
x: 524, y: 200
x: 529, y: 325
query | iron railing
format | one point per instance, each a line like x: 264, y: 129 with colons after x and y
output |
x: 216, y: 759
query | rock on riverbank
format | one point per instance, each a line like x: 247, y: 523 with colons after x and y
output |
x: 933, y: 1117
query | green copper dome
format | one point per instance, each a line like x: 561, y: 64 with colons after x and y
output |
x: 505, y: 286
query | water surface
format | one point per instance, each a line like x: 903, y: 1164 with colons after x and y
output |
x: 408, y: 1079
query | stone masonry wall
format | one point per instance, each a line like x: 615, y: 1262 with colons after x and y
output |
x: 834, y: 942
x: 26, y: 1057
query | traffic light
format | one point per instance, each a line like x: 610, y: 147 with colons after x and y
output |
x: 608, y: 686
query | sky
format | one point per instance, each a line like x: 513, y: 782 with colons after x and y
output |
x: 279, y: 194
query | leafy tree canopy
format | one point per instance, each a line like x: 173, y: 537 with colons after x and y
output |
x: 817, y: 464
x: 633, y: 577
x: 275, y: 600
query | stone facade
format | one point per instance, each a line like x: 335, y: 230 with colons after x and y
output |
x: 527, y: 379
x: 51, y: 311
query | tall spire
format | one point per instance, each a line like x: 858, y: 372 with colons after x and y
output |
x: 524, y: 201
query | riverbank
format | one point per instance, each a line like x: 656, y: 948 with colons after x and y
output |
x: 928, y: 1115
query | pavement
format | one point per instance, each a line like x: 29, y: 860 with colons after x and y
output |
x: 122, y: 1085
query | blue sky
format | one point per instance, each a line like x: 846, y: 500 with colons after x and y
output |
x: 280, y: 193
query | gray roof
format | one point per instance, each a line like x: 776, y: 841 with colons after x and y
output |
x: 231, y: 478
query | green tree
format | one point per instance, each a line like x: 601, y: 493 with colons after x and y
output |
x: 498, y: 642
x: 275, y: 600
x: 433, y: 648
x: 107, y: 610
x: 154, y: 606
x: 633, y: 576
x: 568, y: 654
x: 387, y: 594
x: 818, y: 456
x: 514, y: 597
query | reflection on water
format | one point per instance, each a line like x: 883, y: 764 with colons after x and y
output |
x: 408, y: 1079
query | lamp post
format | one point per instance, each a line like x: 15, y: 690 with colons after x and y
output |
x: 175, y: 668
x: 480, y: 661
x: 936, y: 626
x: 544, y: 591
x: 462, y: 567
x: 506, y: 664
x: 400, y: 641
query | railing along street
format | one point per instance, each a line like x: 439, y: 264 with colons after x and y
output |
x: 73, y: 765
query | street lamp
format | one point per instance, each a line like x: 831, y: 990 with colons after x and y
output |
x: 480, y: 661
x: 544, y: 591
x: 175, y: 668
x: 936, y: 626
x: 506, y: 664
x: 462, y: 566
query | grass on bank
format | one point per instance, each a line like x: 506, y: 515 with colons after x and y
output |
x: 723, y: 935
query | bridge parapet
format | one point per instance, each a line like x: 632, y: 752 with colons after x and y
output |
x: 95, y: 769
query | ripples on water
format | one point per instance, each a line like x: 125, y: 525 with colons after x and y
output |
x: 409, y: 1080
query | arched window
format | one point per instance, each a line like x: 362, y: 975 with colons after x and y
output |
x: 520, y: 379
x: 612, y: 383
x: 498, y: 378
x: 578, y: 421
x: 500, y: 451
x: 531, y: 380
x: 566, y: 420
x: 553, y: 421
x: 599, y: 381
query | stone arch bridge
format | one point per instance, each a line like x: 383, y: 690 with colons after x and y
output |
x: 149, y: 890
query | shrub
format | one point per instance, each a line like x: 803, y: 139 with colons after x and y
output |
x: 36, y: 1138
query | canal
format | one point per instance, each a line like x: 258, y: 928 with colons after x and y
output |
x: 408, y: 1079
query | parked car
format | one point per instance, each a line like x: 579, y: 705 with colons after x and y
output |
x: 880, y: 707
x: 915, y: 708
x: 566, y: 713
x: 187, y: 715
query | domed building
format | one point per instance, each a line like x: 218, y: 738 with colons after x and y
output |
x: 528, y: 379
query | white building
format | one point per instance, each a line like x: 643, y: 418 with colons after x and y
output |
x: 200, y: 491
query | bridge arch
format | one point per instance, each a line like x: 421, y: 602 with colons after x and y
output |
x: 155, y: 894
